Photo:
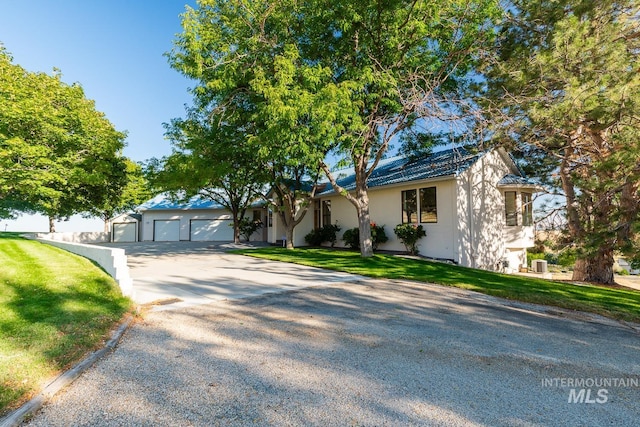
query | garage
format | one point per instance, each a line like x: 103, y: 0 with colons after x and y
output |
x: 210, y: 230
x: 166, y: 230
x: 125, y: 232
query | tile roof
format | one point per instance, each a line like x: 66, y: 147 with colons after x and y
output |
x: 516, y: 180
x: 397, y: 170
x: 163, y: 202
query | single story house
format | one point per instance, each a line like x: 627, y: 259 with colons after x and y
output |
x: 476, y: 209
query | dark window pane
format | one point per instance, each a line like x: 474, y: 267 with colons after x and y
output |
x: 428, y: 205
x: 511, y: 214
x: 409, y: 206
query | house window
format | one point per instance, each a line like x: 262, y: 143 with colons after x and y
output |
x: 257, y: 216
x: 428, y: 205
x: 511, y: 213
x: 316, y: 214
x: 409, y: 207
x: 270, y: 218
x: 326, y: 212
x: 527, y: 209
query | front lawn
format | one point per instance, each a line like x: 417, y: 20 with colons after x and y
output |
x: 55, y: 307
x: 615, y: 303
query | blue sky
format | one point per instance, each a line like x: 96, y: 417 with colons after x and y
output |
x: 114, y: 49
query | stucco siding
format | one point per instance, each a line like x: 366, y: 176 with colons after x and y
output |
x: 480, y: 233
x: 385, y: 206
x: 183, y: 216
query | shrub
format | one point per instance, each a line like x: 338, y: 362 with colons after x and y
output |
x: 567, y: 258
x: 351, y: 237
x: 326, y: 233
x: 409, y: 234
x: 247, y: 227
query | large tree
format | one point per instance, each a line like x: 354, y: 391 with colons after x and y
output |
x: 362, y: 72
x: 209, y: 160
x: 58, y: 155
x: 119, y: 199
x: 568, y: 80
x: 251, y: 77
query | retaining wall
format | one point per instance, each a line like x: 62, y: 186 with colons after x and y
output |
x: 113, y: 260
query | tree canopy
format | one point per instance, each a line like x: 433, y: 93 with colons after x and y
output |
x: 568, y: 88
x: 323, y: 76
x: 58, y: 155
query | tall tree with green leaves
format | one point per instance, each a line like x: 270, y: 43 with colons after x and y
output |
x: 211, y: 161
x: 341, y: 76
x: 568, y: 80
x: 120, y: 199
x: 58, y: 155
x: 250, y: 75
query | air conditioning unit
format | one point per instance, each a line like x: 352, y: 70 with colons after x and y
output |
x: 539, y: 266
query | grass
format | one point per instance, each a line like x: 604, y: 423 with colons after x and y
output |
x: 615, y: 303
x: 55, y: 307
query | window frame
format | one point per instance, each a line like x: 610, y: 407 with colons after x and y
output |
x: 527, y: 208
x: 425, y: 209
x: 511, y: 215
x: 325, y: 213
x: 406, y: 214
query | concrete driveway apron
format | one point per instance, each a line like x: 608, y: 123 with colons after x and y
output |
x: 171, y: 275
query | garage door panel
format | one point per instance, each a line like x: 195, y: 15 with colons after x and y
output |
x: 124, y: 232
x: 208, y: 230
x: 166, y: 230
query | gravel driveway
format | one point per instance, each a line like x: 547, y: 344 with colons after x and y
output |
x: 370, y: 353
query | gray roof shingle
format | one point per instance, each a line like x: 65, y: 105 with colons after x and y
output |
x: 402, y: 169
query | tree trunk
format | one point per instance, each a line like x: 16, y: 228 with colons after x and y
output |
x: 364, y: 218
x: 236, y: 230
x: 289, y: 235
x: 598, y: 269
x: 52, y: 225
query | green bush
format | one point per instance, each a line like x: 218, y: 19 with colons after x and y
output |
x: 351, y: 237
x: 567, y: 258
x: 326, y: 233
x: 409, y: 234
x: 247, y: 227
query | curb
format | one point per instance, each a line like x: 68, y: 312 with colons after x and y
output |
x: 15, y: 418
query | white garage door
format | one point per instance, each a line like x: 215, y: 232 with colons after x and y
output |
x: 124, y: 232
x: 209, y: 230
x: 166, y: 230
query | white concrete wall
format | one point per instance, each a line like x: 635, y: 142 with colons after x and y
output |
x: 76, y: 237
x: 113, y: 260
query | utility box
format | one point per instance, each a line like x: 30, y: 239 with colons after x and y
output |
x: 539, y: 266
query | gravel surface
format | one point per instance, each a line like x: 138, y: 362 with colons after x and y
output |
x: 370, y: 354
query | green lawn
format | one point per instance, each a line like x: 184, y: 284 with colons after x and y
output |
x: 55, y: 307
x: 615, y: 303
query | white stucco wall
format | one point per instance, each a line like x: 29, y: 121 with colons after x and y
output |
x: 184, y: 216
x: 385, y: 206
x: 483, y: 239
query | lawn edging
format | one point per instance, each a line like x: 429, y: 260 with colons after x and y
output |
x: 112, y: 260
x: 622, y: 305
x: 15, y: 418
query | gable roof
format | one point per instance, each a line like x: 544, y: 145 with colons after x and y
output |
x: 400, y: 169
